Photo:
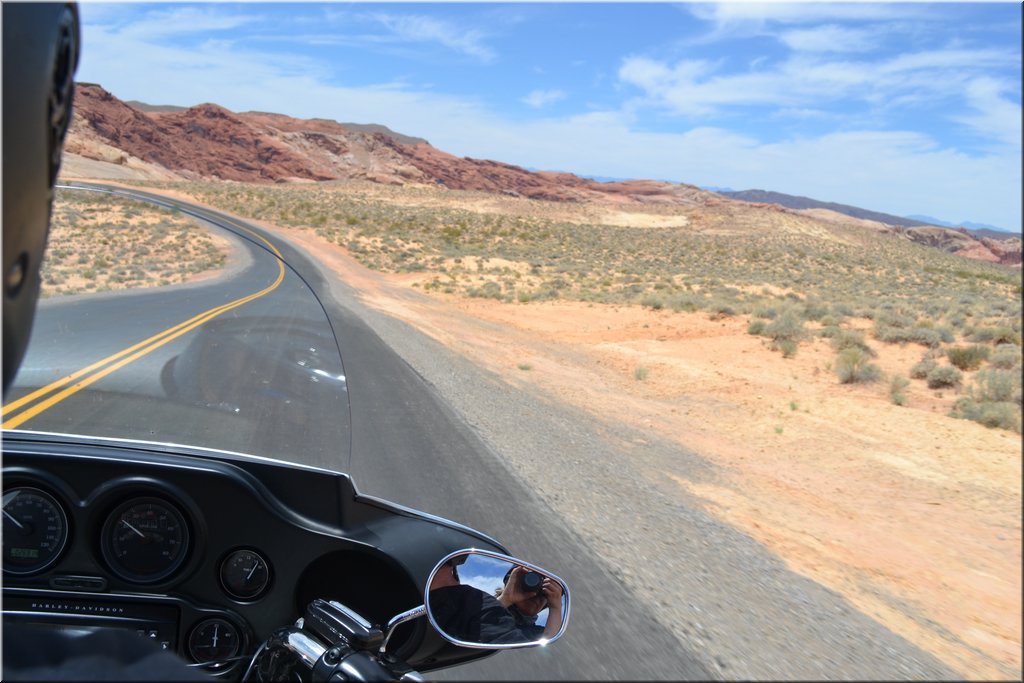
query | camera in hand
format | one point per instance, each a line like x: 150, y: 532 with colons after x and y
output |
x: 532, y: 582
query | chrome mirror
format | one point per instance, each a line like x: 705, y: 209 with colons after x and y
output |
x: 476, y: 598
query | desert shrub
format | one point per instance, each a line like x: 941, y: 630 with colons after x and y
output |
x: 788, y: 347
x: 996, y: 335
x: 815, y: 310
x: 1005, y: 357
x: 652, y: 301
x: 853, y: 365
x: 889, y: 317
x: 842, y: 309
x: 926, y: 336
x: 756, y: 327
x: 896, y: 387
x: 946, y: 334
x: 944, y: 376
x: 968, y: 357
x: 721, y: 309
x: 999, y: 386
x: 922, y: 368
x: 685, y: 302
x: 851, y: 339
x: 489, y: 290
x: 788, y: 325
x: 829, y: 331
x: 994, y: 415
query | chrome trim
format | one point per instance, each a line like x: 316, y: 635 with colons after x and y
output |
x: 305, y: 647
x: 400, y: 619
x: 354, y: 616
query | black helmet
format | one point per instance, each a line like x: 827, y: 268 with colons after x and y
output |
x: 40, y: 54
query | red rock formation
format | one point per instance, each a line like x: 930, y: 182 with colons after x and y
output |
x: 210, y: 141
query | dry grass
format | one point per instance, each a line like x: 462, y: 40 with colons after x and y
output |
x: 724, y: 260
x: 100, y: 242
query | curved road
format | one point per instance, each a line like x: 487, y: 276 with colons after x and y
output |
x: 407, y: 444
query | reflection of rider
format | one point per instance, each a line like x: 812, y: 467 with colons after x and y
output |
x: 469, y: 614
x: 525, y: 606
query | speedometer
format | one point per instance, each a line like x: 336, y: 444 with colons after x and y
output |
x: 145, y: 540
x: 35, y: 530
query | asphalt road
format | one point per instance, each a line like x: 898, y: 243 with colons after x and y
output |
x: 267, y: 356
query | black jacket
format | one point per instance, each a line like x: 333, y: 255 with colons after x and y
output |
x: 473, y: 616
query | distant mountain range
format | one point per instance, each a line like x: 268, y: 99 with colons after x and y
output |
x: 798, y: 202
x: 978, y: 228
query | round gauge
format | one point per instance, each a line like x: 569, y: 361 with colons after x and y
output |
x: 213, y: 640
x: 145, y: 540
x: 245, y: 574
x: 35, y: 530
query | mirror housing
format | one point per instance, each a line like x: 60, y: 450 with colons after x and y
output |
x: 486, y: 600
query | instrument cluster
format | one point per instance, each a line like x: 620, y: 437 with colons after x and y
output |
x: 142, y: 536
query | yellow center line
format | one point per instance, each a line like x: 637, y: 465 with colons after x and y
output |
x: 28, y: 398
x: 136, y: 350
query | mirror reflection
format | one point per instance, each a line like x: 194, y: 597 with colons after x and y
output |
x: 479, y: 599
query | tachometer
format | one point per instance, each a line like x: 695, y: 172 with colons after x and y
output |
x: 145, y: 540
x: 35, y: 530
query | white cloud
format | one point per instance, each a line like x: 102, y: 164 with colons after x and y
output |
x: 732, y: 15
x: 695, y: 88
x: 541, y: 98
x: 422, y: 29
x: 184, y: 20
x: 830, y: 38
x: 994, y: 116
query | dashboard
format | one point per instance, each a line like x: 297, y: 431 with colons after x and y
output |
x: 207, y: 553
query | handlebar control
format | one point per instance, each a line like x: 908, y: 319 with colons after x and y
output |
x: 332, y: 622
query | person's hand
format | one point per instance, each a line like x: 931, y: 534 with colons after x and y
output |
x: 553, y: 592
x: 511, y: 593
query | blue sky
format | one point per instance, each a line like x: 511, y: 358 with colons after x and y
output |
x: 907, y: 108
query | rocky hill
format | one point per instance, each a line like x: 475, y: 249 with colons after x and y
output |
x: 209, y: 141
x: 115, y: 139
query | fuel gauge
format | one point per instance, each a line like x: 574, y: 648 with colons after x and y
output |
x: 244, y: 574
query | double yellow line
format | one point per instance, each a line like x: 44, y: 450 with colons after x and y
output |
x: 55, y: 392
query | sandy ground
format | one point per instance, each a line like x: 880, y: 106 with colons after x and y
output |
x: 912, y: 515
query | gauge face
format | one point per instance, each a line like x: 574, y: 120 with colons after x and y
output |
x: 145, y: 540
x: 213, y: 640
x: 35, y: 530
x: 245, y: 574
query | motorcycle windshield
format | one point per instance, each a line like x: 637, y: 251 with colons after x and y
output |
x: 160, y: 326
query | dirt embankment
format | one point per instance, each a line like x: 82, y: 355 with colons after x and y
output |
x: 914, y: 516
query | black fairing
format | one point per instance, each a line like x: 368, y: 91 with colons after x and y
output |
x: 320, y: 538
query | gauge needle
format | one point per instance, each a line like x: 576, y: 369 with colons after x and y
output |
x: 9, y: 516
x: 125, y: 522
x: 251, y: 571
x: 216, y: 630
